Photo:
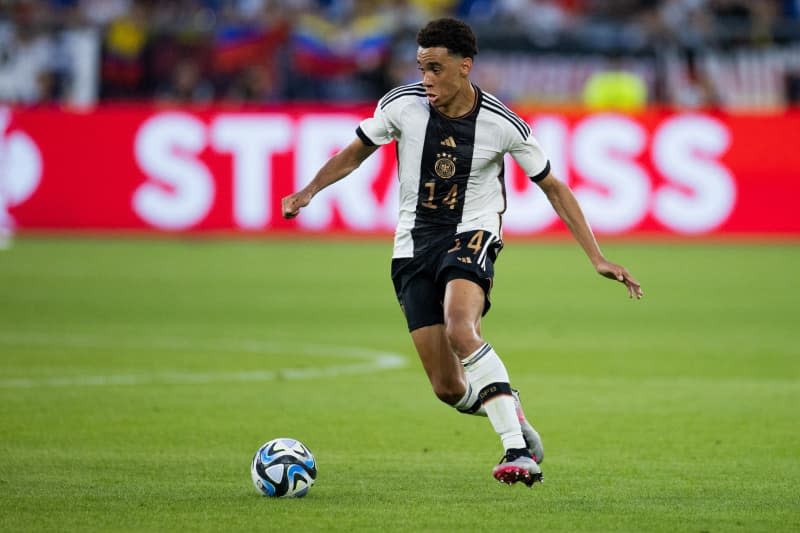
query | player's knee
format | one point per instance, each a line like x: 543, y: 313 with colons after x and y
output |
x: 462, y: 337
x: 448, y: 392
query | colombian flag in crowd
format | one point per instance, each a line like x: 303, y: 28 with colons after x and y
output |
x: 323, y: 49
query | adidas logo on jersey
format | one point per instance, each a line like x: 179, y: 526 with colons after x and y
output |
x: 449, y: 142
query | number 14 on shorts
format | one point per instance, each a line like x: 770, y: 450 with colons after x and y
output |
x: 475, y: 243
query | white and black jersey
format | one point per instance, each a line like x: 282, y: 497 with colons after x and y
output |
x: 450, y: 169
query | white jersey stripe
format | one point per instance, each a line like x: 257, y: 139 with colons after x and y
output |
x: 413, y: 87
x: 497, y: 103
x: 400, y: 88
x: 486, y: 247
x: 411, y: 92
x: 518, y: 123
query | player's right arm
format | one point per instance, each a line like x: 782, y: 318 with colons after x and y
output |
x: 372, y: 133
x: 336, y: 168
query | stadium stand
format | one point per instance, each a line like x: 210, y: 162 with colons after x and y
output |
x: 729, y: 54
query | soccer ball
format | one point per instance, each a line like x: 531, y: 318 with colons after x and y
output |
x: 283, y: 468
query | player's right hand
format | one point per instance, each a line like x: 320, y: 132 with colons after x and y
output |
x: 292, y: 204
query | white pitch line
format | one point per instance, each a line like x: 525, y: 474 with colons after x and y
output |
x: 371, y: 361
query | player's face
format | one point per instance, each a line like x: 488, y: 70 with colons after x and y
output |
x: 444, y: 76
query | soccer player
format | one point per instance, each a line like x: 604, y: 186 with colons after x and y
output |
x: 451, y: 138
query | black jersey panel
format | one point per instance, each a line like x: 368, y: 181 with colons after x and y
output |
x: 445, y: 168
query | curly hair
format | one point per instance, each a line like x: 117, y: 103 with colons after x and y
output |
x: 449, y: 33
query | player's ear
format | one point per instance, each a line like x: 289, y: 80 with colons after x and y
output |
x: 466, y: 66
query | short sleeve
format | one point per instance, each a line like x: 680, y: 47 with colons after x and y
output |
x: 377, y: 130
x: 530, y: 156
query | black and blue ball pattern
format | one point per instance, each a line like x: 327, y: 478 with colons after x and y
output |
x: 283, y: 468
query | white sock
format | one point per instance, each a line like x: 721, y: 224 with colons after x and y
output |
x: 470, y: 404
x: 487, y: 374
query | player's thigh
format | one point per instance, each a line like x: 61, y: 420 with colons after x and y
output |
x: 470, y: 259
x: 464, y: 299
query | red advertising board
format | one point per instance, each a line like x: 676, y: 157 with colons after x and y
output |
x: 147, y: 168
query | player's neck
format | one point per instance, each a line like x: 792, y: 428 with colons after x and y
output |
x: 462, y: 104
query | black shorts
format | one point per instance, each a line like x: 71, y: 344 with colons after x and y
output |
x: 420, y: 281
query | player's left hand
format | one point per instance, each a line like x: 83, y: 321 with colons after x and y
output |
x: 621, y: 274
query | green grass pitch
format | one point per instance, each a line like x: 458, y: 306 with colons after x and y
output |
x: 138, y: 378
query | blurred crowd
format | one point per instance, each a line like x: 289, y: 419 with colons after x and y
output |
x: 262, y: 51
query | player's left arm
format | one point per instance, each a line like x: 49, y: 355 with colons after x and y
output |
x: 567, y: 207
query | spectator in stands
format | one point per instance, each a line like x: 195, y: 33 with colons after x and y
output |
x: 255, y: 84
x: 688, y: 22
x: 435, y: 8
x: 544, y: 22
x: 100, y: 13
x: 26, y: 57
x: 792, y: 82
x: 693, y: 89
x: 745, y: 21
x: 123, y: 64
x: 187, y: 84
